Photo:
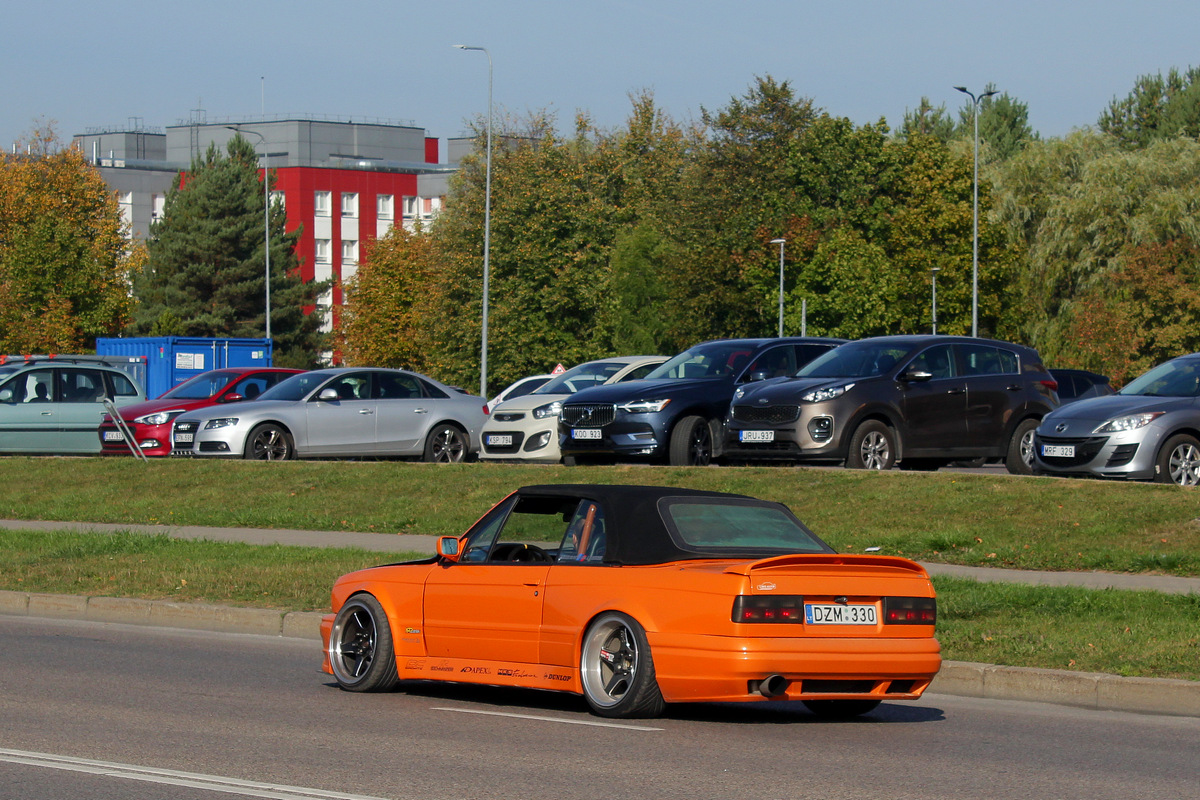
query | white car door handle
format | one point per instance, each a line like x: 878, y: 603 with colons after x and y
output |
x: 420, y: 411
x: 366, y: 411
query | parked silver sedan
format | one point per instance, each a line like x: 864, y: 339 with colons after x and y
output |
x: 340, y: 412
x: 1150, y: 430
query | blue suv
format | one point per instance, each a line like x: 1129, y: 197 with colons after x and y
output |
x: 676, y: 414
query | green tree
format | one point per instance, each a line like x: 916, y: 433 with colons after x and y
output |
x: 65, y: 253
x: 1157, y: 107
x: 206, y: 261
x: 926, y: 120
x: 1003, y: 126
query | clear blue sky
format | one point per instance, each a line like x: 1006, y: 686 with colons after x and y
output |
x: 101, y: 63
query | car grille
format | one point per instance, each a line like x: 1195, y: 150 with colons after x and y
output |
x: 1085, y: 450
x: 508, y: 416
x: 770, y: 415
x: 588, y: 416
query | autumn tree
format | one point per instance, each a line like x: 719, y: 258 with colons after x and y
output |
x: 206, y: 262
x: 65, y: 253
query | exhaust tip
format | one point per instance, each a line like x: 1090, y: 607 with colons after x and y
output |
x: 773, y: 686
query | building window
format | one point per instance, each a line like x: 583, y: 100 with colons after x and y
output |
x: 321, y: 250
x: 410, y: 206
x: 383, y: 206
x: 349, y: 204
x: 279, y: 199
x: 321, y: 202
x: 350, y: 251
x: 158, y: 203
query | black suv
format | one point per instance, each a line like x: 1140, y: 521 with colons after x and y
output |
x: 675, y: 414
x: 923, y: 401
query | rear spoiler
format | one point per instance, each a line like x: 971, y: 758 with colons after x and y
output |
x: 829, y: 560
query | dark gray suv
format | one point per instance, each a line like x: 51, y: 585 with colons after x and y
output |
x: 922, y: 401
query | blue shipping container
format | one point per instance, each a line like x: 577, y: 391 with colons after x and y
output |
x: 171, y: 360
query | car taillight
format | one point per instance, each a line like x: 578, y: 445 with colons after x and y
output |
x: 1051, y: 385
x: 776, y: 608
x: 909, y: 611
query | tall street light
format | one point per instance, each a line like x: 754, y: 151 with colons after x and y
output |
x: 975, y: 101
x: 487, y: 223
x: 266, y: 214
x: 781, y: 243
x: 933, y: 271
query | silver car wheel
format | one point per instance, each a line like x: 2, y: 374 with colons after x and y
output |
x: 875, y: 450
x: 446, y: 445
x: 1184, y: 464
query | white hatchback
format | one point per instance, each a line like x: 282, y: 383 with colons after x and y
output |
x: 526, y: 428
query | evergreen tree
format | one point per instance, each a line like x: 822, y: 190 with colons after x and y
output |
x: 206, y: 262
x: 927, y: 121
x: 1158, y: 107
x: 1003, y: 126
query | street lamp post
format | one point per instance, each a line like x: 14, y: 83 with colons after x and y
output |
x: 781, y: 243
x: 933, y: 271
x: 975, y: 101
x: 487, y: 225
x: 266, y: 217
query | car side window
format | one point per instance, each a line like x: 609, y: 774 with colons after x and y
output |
x: 979, y: 359
x: 33, y: 387
x: 389, y: 386
x: 121, y: 385
x: 251, y: 387
x: 431, y: 391
x: 938, y: 361
x: 80, y: 385
x: 352, y: 386
x: 776, y: 362
x: 638, y: 373
x: 585, y: 539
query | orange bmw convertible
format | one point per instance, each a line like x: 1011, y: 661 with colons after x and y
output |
x: 639, y: 596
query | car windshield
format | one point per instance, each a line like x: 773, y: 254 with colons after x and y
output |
x: 710, y: 360
x: 296, y: 387
x: 855, y: 360
x: 726, y: 525
x: 202, y: 387
x: 580, y: 377
x: 1179, y: 378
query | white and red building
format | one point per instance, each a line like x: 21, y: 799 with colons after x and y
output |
x: 342, y: 182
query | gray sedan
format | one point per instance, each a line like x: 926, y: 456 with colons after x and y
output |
x: 1150, y: 430
x: 337, y: 413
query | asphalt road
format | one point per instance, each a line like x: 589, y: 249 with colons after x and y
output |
x: 246, y: 715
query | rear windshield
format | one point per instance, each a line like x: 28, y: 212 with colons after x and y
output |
x: 725, y: 526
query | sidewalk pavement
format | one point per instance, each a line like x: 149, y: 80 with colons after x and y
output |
x: 1091, y: 690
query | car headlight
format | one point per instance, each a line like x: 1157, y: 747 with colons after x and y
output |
x: 157, y: 418
x: 1128, y: 423
x: 223, y: 422
x: 828, y: 393
x: 643, y: 406
x: 548, y: 410
x: 740, y: 393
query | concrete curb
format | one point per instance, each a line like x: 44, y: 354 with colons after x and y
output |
x: 960, y: 678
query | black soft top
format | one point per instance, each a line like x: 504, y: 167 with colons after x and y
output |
x: 641, y: 530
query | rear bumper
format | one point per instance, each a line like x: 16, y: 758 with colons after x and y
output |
x: 725, y: 669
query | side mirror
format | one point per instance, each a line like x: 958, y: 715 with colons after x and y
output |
x: 6, y: 396
x: 915, y: 375
x: 447, y: 547
x: 232, y: 397
x: 759, y: 375
x: 328, y: 395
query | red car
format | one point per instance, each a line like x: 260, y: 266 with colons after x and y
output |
x: 151, y: 421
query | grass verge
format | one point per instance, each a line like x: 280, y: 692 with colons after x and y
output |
x: 1119, y: 632
x: 957, y: 518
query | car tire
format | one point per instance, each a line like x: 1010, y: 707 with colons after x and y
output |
x: 617, y: 670
x: 840, y: 709
x: 446, y: 444
x: 1179, y: 461
x: 691, y: 443
x: 1019, y: 458
x: 873, y: 446
x: 269, y: 442
x: 361, y: 651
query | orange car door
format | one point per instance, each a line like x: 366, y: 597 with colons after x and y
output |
x: 485, y: 612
